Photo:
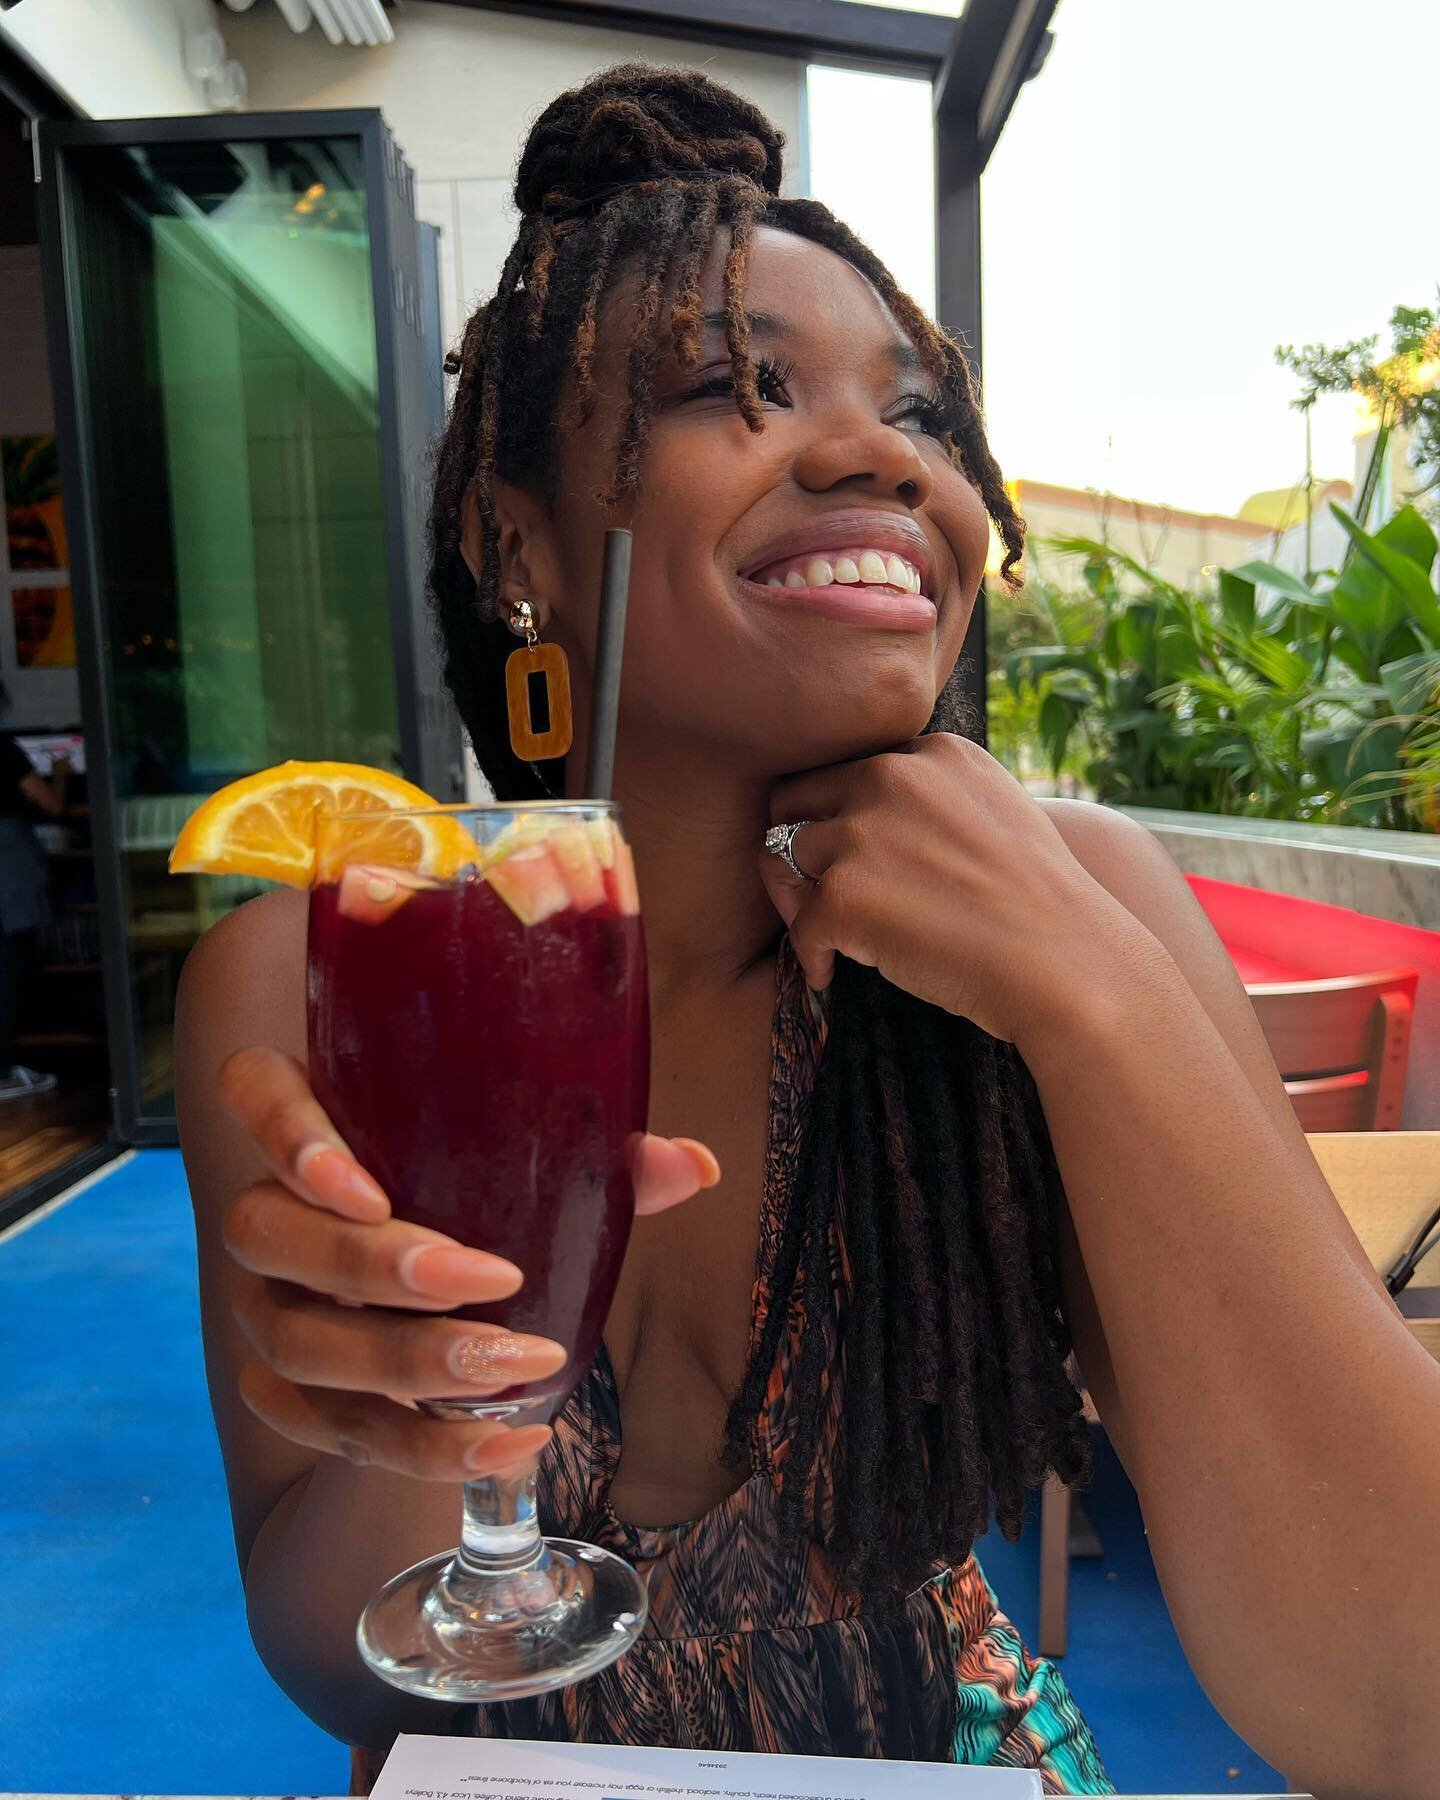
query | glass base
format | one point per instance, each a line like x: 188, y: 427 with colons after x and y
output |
x: 447, y: 1632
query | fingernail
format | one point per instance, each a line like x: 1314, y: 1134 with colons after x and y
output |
x: 502, y: 1358
x: 447, y: 1272
x: 340, y: 1182
x: 495, y: 1455
x: 704, y: 1159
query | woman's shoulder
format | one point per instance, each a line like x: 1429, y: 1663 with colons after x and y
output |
x: 1090, y: 827
x: 245, y: 978
x: 1126, y: 859
x: 1132, y: 864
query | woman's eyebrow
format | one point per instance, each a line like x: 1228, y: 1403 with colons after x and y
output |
x: 762, y: 324
x: 766, y: 325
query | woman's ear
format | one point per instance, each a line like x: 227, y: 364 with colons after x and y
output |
x: 522, y: 531
x: 472, y: 534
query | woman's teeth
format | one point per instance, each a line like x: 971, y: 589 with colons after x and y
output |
x: 868, y: 568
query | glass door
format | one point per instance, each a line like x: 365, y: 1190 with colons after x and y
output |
x: 236, y: 321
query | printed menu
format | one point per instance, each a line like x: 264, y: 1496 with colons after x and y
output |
x: 452, y: 1768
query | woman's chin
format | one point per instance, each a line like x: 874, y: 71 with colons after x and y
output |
x: 850, y: 732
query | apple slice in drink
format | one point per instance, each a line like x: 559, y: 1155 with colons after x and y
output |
x: 574, y: 852
x: 370, y: 895
x: 530, y: 882
x: 621, y: 887
x: 540, y: 868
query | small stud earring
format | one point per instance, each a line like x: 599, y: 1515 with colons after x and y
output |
x: 549, y: 662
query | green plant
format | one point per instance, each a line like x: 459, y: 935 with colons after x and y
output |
x: 1043, y: 614
x: 1098, y: 684
x: 1400, y: 388
x: 29, y: 470
x: 1270, y: 697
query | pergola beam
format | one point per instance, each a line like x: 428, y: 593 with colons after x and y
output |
x: 877, y: 37
x: 996, y: 46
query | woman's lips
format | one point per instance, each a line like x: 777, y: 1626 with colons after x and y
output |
x: 860, y: 565
x: 878, y: 608
x: 852, y: 530
x: 863, y: 565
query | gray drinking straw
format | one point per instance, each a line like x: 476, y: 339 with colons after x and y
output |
x: 609, y: 650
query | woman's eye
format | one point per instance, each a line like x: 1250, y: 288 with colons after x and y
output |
x: 771, y: 382
x: 927, y: 418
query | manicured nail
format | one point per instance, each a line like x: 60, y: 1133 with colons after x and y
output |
x: 497, y: 1455
x: 703, y: 1158
x: 447, y: 1272
x: 339, y: 1182
x: 502, y: 1358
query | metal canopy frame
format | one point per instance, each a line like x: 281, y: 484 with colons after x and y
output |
x: 997, y: 45
x: 910, y: 43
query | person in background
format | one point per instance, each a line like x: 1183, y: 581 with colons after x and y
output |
x: 24, y: 894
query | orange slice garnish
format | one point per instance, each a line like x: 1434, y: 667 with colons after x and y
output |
x: 264, y: 826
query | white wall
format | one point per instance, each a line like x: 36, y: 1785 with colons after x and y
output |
x: 460, y: 86
x: 40, y: 696
x: 112, y: 59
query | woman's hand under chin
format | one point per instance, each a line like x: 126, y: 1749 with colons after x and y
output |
x: 935, y: 867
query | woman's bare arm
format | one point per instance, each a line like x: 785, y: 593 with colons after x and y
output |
x: 323, y: 1314
x: 47, y: 791
x: 316, y: 1535
x: 1280, y: 1424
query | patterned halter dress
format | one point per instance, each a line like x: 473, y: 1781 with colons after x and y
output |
x: 748, y: 1647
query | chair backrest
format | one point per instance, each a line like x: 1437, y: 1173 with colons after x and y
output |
x: 1342, y: 1046
x: 1388, y: 1184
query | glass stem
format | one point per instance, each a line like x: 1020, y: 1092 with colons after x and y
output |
x: 501, y: 1531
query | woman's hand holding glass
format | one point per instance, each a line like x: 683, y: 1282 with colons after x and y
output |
x: 337, y: 1294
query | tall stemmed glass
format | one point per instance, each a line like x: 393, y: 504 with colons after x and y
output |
x: 481, y: 1040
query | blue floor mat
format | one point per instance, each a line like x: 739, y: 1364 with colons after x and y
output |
x: 1153, y: 1726
x: 127, y: 1666
x: 127, y: 1663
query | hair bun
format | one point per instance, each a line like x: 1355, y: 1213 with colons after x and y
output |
x: 637, y: 122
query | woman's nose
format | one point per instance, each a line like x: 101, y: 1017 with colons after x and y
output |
x: 872, y: 457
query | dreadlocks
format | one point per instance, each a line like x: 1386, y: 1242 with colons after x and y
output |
x: 926, y: 1164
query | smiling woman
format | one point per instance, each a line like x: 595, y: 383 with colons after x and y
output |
x: 661, y: 291
x: 923, y: 1039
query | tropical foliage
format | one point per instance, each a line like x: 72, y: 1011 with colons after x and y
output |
x: 1269, y: 696
x: 1400, y: 390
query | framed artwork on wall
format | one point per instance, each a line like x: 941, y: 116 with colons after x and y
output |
x: 35, y: 570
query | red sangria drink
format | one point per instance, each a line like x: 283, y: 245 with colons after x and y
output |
x: 479, y: 1034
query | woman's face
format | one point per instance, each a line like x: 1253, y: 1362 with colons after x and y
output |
x: 798, y: 595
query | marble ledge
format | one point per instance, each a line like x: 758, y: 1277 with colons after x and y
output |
x: 1392, y: 875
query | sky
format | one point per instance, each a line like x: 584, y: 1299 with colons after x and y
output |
x: 1182, y: 188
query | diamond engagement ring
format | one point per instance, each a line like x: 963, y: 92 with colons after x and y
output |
x: 780, y: 841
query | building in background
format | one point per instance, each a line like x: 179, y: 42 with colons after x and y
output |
x: 1183, y: 547
x: 1396, y: 483
x: 1280, y: 513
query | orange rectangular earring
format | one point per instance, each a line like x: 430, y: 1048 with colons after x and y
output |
x: 550, y: 662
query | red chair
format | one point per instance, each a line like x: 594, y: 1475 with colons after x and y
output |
x: 1342, y: 1046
